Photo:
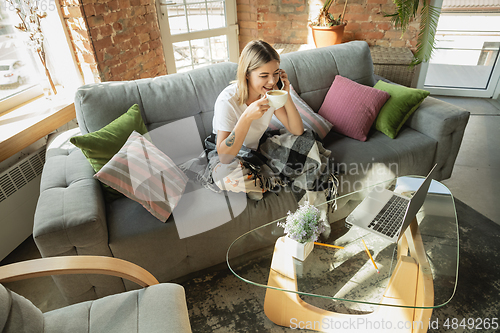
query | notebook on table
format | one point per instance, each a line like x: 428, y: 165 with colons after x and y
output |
x: 388, y: 214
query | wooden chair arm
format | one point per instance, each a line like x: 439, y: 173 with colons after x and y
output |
x: 77, y: 265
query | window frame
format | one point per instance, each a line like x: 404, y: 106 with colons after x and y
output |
x: 19, y: 125
x: 10, y: 103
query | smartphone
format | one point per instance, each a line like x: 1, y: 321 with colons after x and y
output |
x: 279, y: 84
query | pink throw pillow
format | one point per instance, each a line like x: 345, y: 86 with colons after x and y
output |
x: 352, y: 107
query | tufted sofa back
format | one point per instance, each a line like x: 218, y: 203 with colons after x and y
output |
x: 162, y: 99
x: 312, y: 72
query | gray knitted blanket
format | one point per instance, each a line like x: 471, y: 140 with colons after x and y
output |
x: 283, y: 162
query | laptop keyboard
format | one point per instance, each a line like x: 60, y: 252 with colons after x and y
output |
x: 389, y: 219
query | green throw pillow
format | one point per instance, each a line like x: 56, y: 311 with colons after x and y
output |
x: 100, y: 146
x: 402, y: 103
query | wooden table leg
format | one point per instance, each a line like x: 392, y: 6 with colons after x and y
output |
x: 406, y: 287
x: 425, y: 283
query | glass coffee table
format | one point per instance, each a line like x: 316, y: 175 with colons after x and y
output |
x: 339, y: 289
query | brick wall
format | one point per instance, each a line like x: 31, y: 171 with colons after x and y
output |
x: 120, y: 39
x: 286, y: 21
x: 366, y: 21
x: 275, y: 21
x: 80, y: 40
x: 247, y: 21
x: 115, y: 39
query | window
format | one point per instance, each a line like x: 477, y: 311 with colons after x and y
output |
x: 19, y: 72
x: 200, y: 52
x: 197, y: 33
x: 22, y: 76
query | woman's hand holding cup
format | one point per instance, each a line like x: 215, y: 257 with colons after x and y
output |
x: 257, y: 109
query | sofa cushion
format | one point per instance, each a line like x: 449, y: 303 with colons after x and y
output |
x: 379, y: 158
x: 398, y: 108
x: 157, y: 308
x: 129, y: 222
x: 311, y: 119
x: 352, y: 107
x: 101, y: 145
x: 146, y: 175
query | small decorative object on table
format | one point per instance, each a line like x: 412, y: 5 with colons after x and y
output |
x: 302, y: 228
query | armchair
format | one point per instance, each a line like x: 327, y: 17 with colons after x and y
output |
x: 154, y: 308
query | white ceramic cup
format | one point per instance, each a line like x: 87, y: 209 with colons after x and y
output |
x: 277, y: 98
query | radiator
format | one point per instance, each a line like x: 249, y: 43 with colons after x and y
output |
x: 19, y: 191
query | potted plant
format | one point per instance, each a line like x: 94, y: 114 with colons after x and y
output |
x: 326, y: 29
x: 302, y: 229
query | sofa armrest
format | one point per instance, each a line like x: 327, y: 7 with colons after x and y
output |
x: 70, y: 219
x: 445, y: 123
x: 70, y: 212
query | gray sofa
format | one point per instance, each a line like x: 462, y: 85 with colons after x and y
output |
x: 72, y: 216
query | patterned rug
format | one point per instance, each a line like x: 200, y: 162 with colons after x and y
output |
x: 219, y: 302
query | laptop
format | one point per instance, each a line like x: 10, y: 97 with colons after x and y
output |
x: 388, y: 214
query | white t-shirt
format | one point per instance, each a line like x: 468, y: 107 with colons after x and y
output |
x: 227, y: 111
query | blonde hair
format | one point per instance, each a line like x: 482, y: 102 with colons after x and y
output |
x: 254, y: 55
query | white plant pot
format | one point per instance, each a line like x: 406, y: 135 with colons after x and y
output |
x: 298, y: 250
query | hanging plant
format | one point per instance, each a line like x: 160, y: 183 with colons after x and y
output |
x: 31, y: 15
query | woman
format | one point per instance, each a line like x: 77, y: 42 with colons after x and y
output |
x: 242, y: 114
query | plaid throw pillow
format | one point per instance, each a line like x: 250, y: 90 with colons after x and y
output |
x: 311, y: 119
x: 146, y: 175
